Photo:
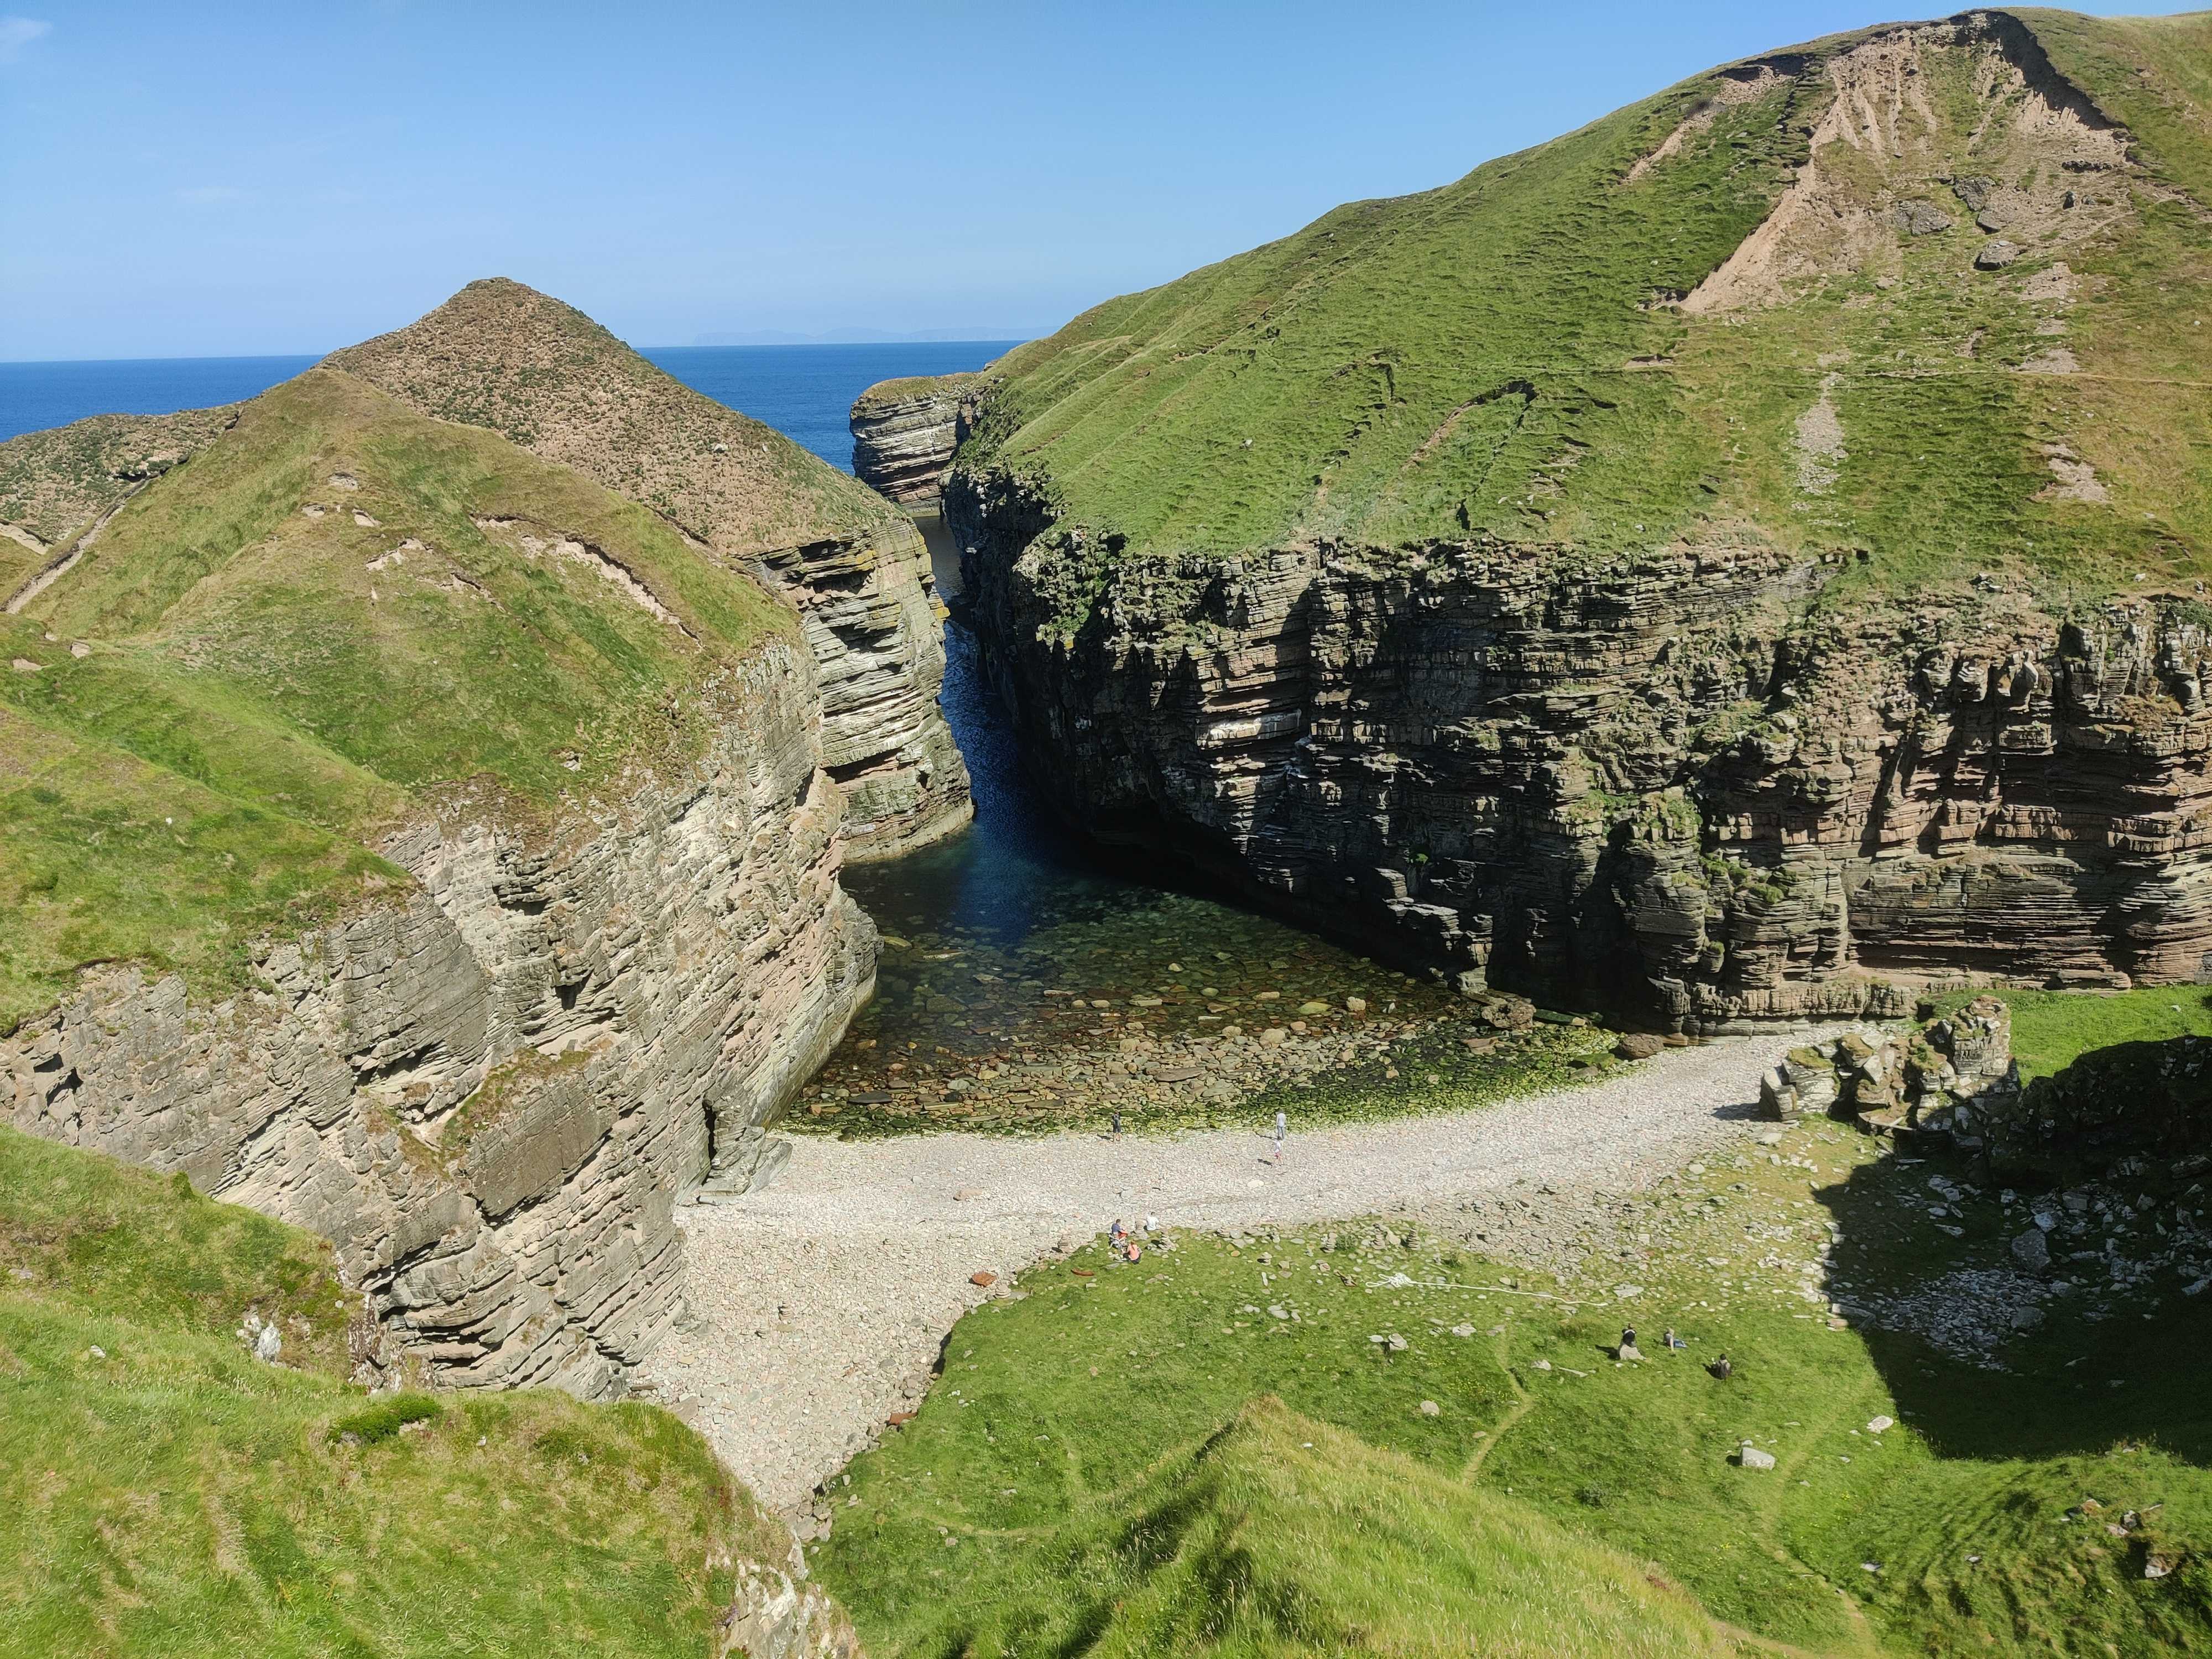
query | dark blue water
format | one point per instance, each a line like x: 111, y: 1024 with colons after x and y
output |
x: 803, y: 392
x: 35, y: 396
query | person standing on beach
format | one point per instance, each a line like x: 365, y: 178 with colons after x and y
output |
x: 1281, y: 1126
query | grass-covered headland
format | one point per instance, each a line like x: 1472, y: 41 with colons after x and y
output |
x: 286, y: 645
x: 163, y: 1492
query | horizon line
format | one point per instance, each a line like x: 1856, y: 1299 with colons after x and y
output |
x: 808, y: 344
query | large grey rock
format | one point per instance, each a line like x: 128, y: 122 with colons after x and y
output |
x: 1920, y: 218
x: 1974, y: 189
x: 774, y: 1615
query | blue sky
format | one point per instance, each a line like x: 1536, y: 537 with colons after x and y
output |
x: 251, y: 177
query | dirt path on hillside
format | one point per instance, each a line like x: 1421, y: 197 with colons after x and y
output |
x: 817, y: 1308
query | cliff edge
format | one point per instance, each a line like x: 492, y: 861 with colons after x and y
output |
x: 904, y: 432
x: 543, y: 375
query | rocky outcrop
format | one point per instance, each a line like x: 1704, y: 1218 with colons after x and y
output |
x: 871, y: 616
x: 773, y: 1617
x: 904, y: 432
x: 1952, y: 1079
x: 1683, y: 782
x: 500, y: 355
x: 491, y: 1089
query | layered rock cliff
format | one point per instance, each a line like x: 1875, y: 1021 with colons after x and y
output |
x: 413, y: 839
x: 904, y: 432
x: 1667, y: 569
x: 1672, y: 784
x: 491, y: 1090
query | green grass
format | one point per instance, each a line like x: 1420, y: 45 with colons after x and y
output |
x: 1069, y: 1450
x: 2051, y: 1030
x: 500, y: 356
x: 1279, y: 1534
x: 56, y: 483
x: 261, y: 693
x: 171, y: 1495
x: 886, y: 392
x: 1485, y: 362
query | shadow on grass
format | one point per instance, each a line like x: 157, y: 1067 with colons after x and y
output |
x: 1991, y: 1360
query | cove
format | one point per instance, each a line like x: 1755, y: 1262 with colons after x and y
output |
x: 1028, y: 983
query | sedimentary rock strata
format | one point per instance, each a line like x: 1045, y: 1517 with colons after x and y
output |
x: 491, y: 1091
x: 1676, y: 782
x: 904, y: 433
x: 1673, y: 568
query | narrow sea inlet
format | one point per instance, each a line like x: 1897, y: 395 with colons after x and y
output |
x: 1027, y: 985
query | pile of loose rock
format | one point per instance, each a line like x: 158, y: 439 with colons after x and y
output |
x: 1948, y: 1080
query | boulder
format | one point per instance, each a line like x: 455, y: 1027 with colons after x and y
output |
x: 1920, y: 218
x: 1975, y: 190
x: 1638, y: 1045
x: 1750, y: 1457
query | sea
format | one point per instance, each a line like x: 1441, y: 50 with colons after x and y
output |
x: 802, y: 391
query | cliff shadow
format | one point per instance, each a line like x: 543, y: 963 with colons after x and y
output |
x: 1996, y: 1348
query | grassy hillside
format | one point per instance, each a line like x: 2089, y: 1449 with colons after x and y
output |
x: 161, y: 1491
x: 1278, y: 1535
x: 1091, y: 1474
x: 280, y: 648
x: 1754, y: 299
x: 55, y: 483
